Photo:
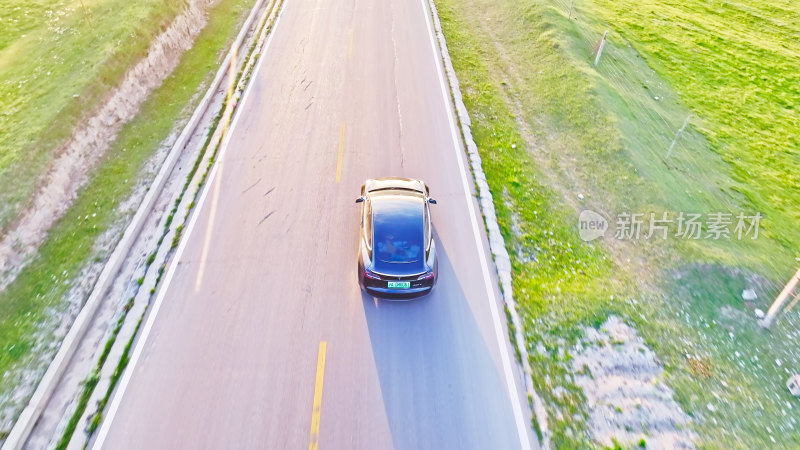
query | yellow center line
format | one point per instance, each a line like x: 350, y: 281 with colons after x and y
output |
x: 341, y: 153
x: 350, y: 45
x: 209, y: 230
x: 224, y: 130
x: 315, y: 412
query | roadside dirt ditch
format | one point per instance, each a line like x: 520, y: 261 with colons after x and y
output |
x: 71, y: 169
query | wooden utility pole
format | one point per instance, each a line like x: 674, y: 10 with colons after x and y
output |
x: 600, y: 49
x: 569, y: 16
x: 777, y: 305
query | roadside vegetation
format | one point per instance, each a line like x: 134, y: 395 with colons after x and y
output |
x: 59, y: 60
x: 31, y: 305
x: 90, y: 383
x: 558, y: 135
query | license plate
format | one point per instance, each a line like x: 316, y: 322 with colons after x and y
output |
x: 399, y: 284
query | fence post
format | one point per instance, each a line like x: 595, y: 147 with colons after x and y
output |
x: 677, y: 135
x: 600, y: 50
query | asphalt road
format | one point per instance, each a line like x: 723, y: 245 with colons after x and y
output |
x: 261, y: 337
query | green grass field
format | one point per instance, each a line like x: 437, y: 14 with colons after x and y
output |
x: 59, y: 60
x: 550, y: 127
x: 736, y: 65
x: 29, y: 304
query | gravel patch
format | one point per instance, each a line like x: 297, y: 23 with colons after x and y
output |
x: 627, y: 399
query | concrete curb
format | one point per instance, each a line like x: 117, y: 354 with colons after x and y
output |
x: 30, y: 415
x: 496, y: 241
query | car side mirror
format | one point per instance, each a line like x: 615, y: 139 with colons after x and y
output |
x: 432, y: 201
x: 359, y: 199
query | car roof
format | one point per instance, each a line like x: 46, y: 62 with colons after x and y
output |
x: 398, y: 218
x: 394, y: 215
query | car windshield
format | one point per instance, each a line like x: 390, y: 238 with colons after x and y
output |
x: 399, y: 233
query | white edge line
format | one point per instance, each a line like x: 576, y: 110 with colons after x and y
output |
x: 137, y: 352
x: 511, y: 384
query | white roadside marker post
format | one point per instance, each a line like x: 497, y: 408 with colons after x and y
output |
x: 600, y: 49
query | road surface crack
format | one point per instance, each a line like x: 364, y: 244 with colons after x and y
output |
x: 266, y: 217
x: 252, y: 186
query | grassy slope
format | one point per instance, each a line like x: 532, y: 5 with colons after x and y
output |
x: 737, y: 65
x: 42, y: 96
x: 605, y: 133
x: 27, y: 304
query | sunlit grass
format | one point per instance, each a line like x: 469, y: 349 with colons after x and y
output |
x: 58, y: 60
x: 558, y: 135
x: 736, y: 65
